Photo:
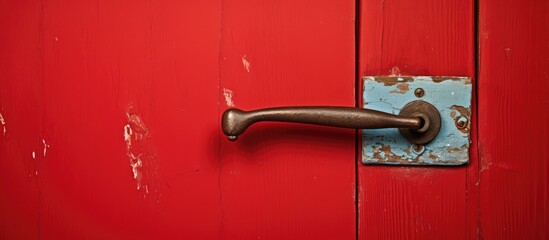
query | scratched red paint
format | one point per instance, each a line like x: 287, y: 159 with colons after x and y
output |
x: 287, y: 181
x: 69, y: 72
x: 111, y: 111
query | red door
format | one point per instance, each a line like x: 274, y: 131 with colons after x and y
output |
x: 110, y: 119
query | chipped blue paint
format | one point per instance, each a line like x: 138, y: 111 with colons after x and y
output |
x: 450, y: 95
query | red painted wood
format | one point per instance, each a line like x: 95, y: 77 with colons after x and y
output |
x: 20, y: 114
x: 513, y: 119
x: 78, y: 75
x: 135, y: 65
x: 92, y: 87
x: 111, y: 66
x: 80, y: 81
x: 424, y: 37
x: 287, y: 181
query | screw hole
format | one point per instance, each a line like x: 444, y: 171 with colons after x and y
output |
x: 419, y: 92
x: 418, y: 149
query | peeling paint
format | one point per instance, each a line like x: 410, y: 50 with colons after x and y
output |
x: 3, y: 123
x: 485, y: 165
x: 246, y: 63
x: 382, y: 151
x: 390, y: 81
x: 228, y: 94
x: 507, y: 51
x: 45, y: 147
x: 463, y: 80
x: 135, y: 159
x: 401, y: 88
x: 450, y: 95
x: 128, y: 132
x: 395, y: 71
x: 140, y: 153
x: 136, y: 164
x: 463, y: 111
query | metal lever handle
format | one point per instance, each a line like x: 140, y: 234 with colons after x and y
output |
x: 418, y: 121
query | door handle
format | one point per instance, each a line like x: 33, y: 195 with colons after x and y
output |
x: 418, y: 121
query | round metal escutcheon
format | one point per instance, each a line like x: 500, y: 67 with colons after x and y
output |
x: 431, y: 122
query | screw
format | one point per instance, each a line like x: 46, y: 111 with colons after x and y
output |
x: 461, y: 122
x: 419, y: 92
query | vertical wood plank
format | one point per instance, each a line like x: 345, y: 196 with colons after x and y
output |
x: 513, y: 119
x: 131, y: 120
x: 426, y: 37
x: 20, y: 105
x: 288, y: 181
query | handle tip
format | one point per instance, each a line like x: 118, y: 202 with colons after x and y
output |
x: 232, y: 138
x: 234, y: 122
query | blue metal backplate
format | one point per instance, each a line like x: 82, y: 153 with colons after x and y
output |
x: 450, y: 95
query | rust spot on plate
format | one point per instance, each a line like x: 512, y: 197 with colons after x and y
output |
x: 462, y: 110
x: 453, y: 150
x: 463, y: 149
x: 384, y: 153
x: 385, y: 149
x: 442, y: 79
x: 390, y: 81
x: 402, y: 88
x: 393, y: 80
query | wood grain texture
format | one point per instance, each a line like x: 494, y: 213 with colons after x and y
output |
x: 120, y: 103
x: 412, y: 38
x: 130, y: 68
x: 514, y: 119
x: 113, y: 65
x: 20, y: 114
x: 288, y: 181
x: 80, y: 81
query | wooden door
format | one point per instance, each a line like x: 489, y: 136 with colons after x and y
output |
x: 110, y: 119
x: 111, y: 111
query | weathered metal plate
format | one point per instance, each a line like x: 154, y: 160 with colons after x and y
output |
x: 450, y: 95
